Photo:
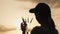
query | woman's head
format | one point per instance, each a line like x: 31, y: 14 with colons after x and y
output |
x: 41, y: 11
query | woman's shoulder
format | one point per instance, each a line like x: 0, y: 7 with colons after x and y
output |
x: 37, y: 30
x: 40, y: 30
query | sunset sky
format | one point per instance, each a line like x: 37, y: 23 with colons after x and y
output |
x: 12, y: 11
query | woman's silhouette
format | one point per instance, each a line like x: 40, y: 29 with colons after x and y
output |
x: 43, y: 16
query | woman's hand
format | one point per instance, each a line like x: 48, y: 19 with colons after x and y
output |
x: 23, y: 26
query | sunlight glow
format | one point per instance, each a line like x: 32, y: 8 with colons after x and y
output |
x: 18, y: 23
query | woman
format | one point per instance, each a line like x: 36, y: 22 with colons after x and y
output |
x: 43, y: 16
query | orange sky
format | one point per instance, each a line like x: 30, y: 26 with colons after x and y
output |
x: 11, y: 12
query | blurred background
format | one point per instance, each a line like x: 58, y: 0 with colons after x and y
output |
x: 12, y: 11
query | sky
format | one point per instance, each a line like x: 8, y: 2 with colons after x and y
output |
x: 12, y: 11
x: 51, y: 2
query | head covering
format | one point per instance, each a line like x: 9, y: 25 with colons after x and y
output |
x: 41, y: 8
x: 42, y: 11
